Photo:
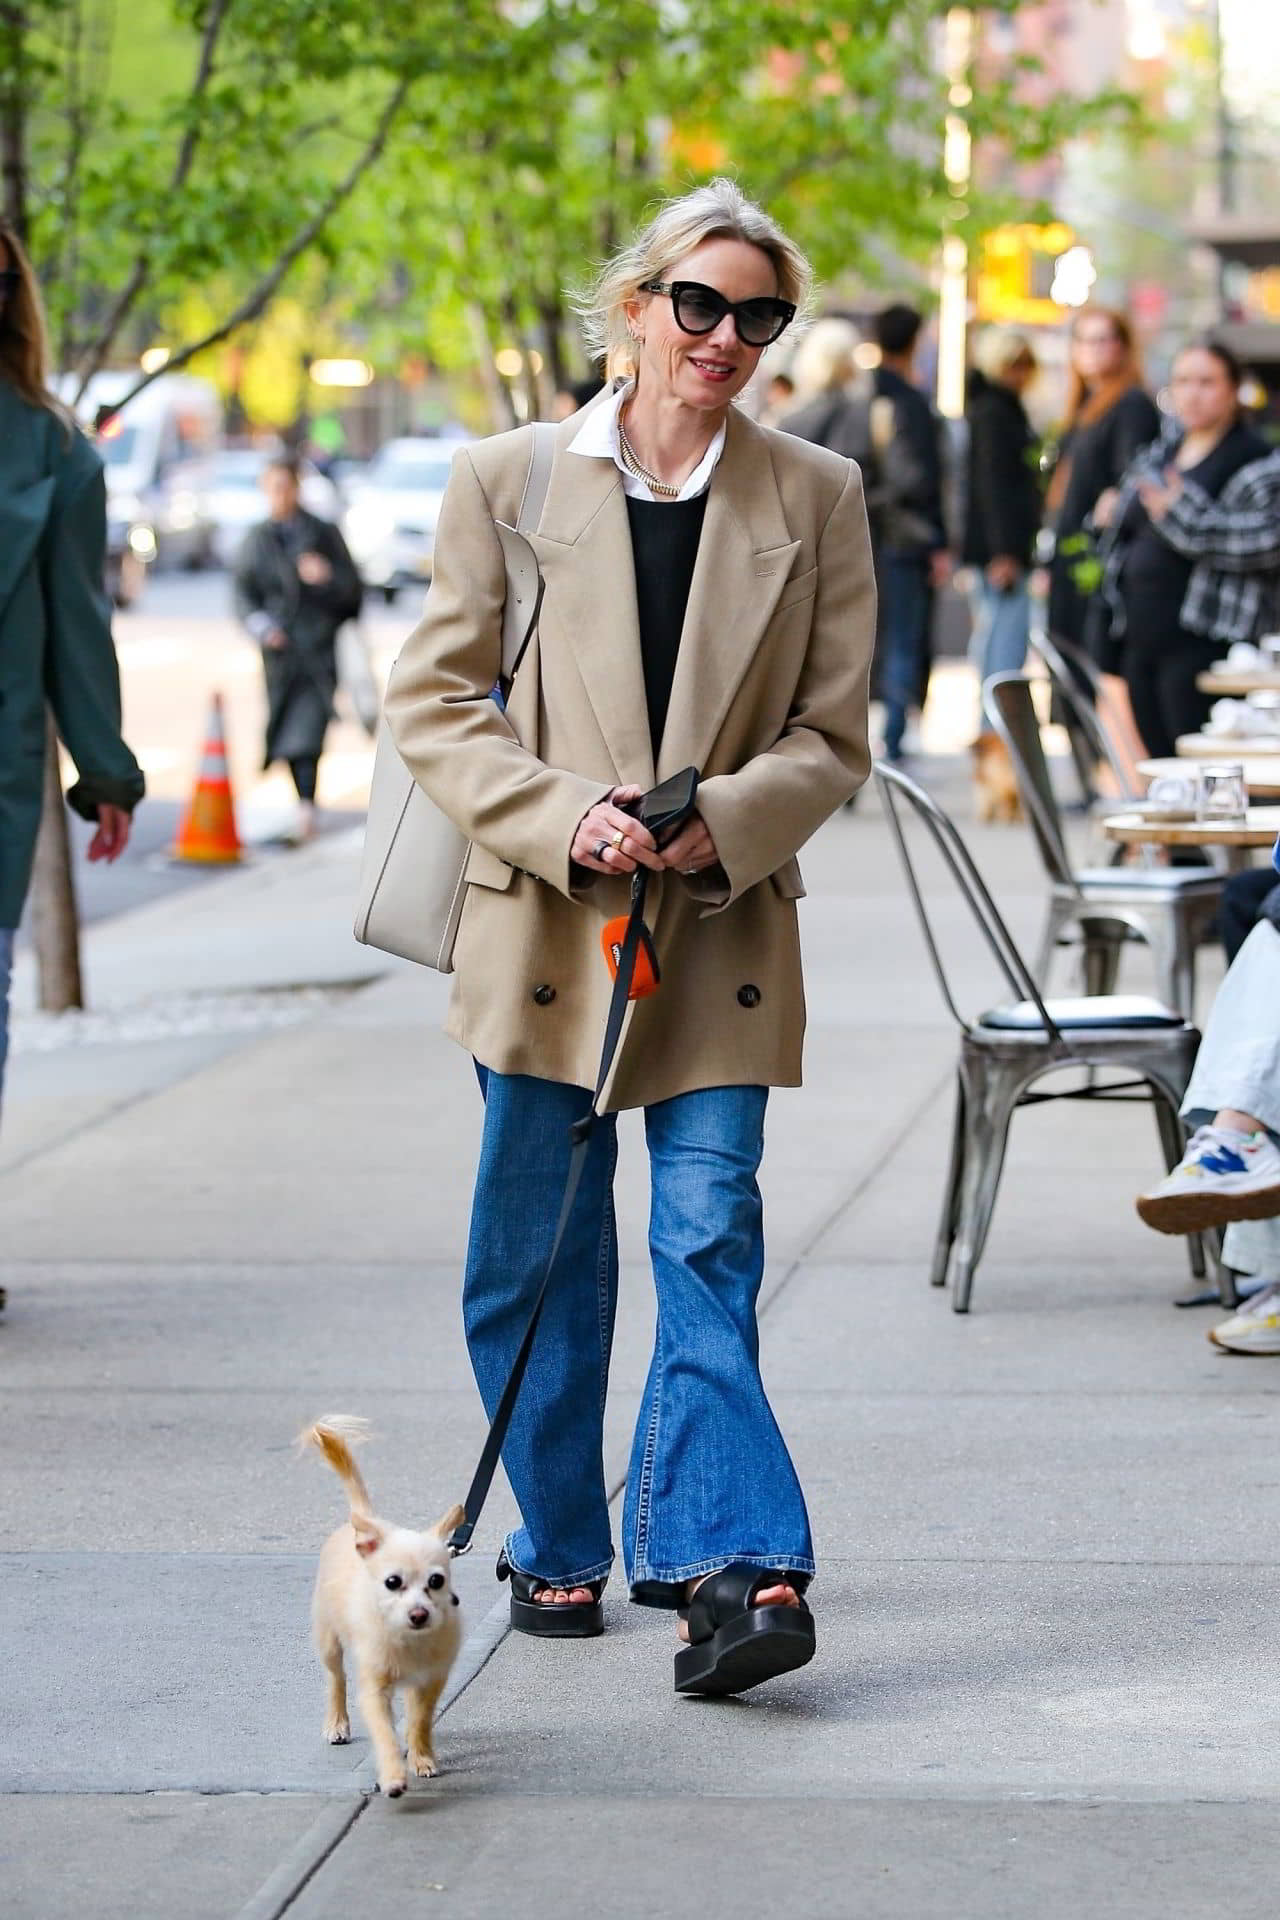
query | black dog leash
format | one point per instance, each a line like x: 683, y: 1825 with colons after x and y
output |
x: 661, y: 824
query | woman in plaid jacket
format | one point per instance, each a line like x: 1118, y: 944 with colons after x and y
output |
x: 1191, y: 552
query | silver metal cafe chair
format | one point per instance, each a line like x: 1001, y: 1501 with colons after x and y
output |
x: 1171, y: 909
x: 1071, y: 672
x: 1007, y: 1049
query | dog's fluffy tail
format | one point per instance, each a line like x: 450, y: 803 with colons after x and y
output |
x: 334, y: 1435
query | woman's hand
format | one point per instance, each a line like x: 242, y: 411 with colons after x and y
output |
x: 112, y: 837
x: 314, y: 570
x: 1158, y: 499
x: 1103, y: 508
x: 692, y: 850
x: 608, y: 840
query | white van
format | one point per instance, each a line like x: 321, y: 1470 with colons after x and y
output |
x: 157, y: 451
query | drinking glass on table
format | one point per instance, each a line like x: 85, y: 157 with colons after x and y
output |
x: 1175, y: 795
x: 1223, y: 794
x: 1269, y: 648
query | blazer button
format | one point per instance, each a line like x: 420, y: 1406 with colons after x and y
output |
x: 544, y: 995
x: 748, y: 996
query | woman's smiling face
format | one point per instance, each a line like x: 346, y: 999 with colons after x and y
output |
x: 705, y: 370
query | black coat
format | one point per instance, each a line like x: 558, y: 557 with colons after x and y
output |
x: 912, y: 517
x: 1003, y: 503
x: 841, y: 420
x: 302, y: 677
x: 1099, y: 454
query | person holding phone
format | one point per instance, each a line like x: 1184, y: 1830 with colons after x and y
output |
x: 1191, y: 555
x: 709, y: 602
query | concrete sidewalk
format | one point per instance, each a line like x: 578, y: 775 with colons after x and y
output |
x: 1046, y: 1532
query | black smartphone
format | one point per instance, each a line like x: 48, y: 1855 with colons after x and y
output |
x: 665, y: 808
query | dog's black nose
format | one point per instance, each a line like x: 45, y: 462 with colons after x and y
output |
x: 418, y: 1616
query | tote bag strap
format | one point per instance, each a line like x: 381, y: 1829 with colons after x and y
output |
x: 524, y: 576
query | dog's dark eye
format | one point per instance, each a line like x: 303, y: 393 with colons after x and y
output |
x: 393, y: 1581
x: 436, y: 1582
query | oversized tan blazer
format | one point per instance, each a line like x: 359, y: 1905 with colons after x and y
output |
x: 769, y: 701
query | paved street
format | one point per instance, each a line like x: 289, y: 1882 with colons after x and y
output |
x: 1046, y: 1531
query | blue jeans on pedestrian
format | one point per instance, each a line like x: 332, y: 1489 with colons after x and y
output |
x: 906, y: 604
x: 710, y: 1479
x: 7, y: 937
x: 1001, y: 628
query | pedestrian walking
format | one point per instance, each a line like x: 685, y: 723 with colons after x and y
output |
x: 295, y: 585
x: 1191, y: 554
x: 55, y: 617
x: 912, y: 551
x: 709, y: 601
x: 1003, y: 501
x: 1109, y: 415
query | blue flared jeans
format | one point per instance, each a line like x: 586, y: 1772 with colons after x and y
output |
x: 710, y: 1478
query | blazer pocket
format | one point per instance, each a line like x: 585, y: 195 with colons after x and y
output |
x: 801, y: 587
x: 787, y: 880
x: 484, y: 869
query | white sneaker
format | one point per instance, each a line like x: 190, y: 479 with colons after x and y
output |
x: 1224, y: 1176
x: 1254, y: 1327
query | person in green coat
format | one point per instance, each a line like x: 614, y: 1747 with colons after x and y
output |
x: 55, y: 618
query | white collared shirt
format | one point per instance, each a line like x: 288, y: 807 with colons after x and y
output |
x: 597, y: 438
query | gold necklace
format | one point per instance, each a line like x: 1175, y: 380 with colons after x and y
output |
x: 663, y: 488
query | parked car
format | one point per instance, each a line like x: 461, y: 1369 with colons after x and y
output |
x: 390, y: 525
x: 131, y: 549
x: 235, y: 501
x: 156, y: 451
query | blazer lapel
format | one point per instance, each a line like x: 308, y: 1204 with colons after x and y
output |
x: 744, y: 557
x: 583, y: 544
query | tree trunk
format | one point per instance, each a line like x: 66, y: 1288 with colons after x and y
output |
x: 54, y: 922
x: 14, y: 28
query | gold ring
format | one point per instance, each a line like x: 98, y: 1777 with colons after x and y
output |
x: 619, y: 837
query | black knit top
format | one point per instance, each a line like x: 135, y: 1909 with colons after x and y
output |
x: 664, y: 546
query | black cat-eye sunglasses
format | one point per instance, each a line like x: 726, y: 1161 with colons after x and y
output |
x: 700, y: 309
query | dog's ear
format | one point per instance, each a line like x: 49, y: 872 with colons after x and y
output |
x: 368, y: 1532
x: 448, y: 1522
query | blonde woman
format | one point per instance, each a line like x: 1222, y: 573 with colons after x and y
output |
x: 55, y: 619
x: 708, y: 601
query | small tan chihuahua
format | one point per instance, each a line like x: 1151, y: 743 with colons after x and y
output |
x: 383, y: 1593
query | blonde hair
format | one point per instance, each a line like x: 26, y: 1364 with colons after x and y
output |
x: 999, y: 348
x: 24, y: 341
x: 719, y: 210
x: 825, y: 358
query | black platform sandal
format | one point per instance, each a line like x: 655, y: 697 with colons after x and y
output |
x: 733, y: 1645
x: 547, y: 1619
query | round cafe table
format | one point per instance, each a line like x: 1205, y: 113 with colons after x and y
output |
x: 1259, y: 828
x: 1234, y: 683
x: 1262, y: 777
x: 1214, y: 746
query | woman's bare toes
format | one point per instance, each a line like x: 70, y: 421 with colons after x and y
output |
x: 776, y: 1597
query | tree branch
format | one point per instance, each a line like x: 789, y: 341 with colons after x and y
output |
x: 254, y: 303
x: 139, y: 272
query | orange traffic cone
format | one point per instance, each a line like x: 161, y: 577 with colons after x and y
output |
x: 208, y: 836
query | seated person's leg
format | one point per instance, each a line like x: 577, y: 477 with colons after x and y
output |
x: 1231, y: 1169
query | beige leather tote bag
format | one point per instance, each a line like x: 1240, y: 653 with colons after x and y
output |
x: 412, y: 874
